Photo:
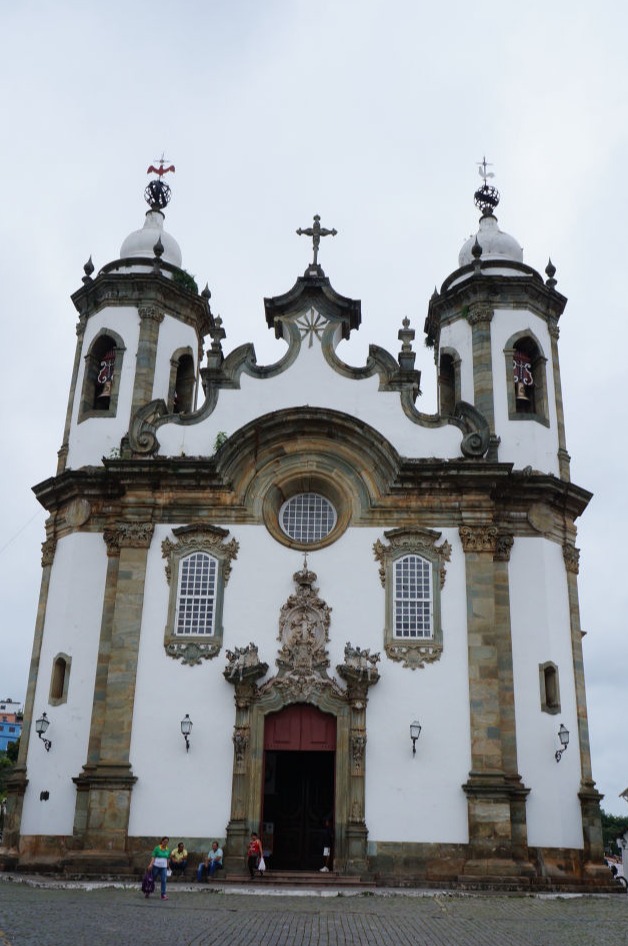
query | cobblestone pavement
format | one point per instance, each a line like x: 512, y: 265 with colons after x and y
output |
x: 96, y: 915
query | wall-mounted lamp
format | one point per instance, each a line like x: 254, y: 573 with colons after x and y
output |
x: 415, y: 732
x: 186, y: 729
x: 563, y: 735
x: 41, y: 725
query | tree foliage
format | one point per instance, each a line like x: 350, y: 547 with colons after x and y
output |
x: 613, y: 827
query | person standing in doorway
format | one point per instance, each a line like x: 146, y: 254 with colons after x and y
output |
x: 253, y: 854
x: 159, y: 864
x: 328, y: 840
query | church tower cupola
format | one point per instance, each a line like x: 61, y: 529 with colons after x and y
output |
x: 141, y: 243
x: 494, y: 328
x: 494, y: 243
x: 141, y: 327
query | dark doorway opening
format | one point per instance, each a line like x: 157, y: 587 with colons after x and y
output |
x: 298, y: 798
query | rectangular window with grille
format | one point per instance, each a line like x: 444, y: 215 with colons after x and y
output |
x: 196, y: 599
x: 412, y: 604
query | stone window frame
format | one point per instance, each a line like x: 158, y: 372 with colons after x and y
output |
x: 280, y: 491
x: 210, y: 540
x: 548, y: 680
x: 90, y: 373
x: 59, y: 679
x: 175, y: 366
x: 412, y: 652
x: 540, y: 414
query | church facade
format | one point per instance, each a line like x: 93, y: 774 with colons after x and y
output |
x: 282, y: 599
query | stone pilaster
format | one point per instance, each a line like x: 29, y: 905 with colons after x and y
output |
x: 589, y: 797
x: 104, y: 786
x: 18, y: 779
x: 479, y: 317
x: 150, y: 319
x: 247, y: 766
x: 495, y: 793
x: 63, y: 452
x: 563, y: 456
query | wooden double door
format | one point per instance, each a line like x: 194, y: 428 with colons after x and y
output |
x: 298, y: 799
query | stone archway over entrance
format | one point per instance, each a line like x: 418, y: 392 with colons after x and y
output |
x: 299, y: 779
x: 303, y: 690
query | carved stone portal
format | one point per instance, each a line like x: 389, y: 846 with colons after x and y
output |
x: 302, y: 677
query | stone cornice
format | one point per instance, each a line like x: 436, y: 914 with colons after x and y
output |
x: 434, y: 489
x: 146, y: 290
x: 525, y: 291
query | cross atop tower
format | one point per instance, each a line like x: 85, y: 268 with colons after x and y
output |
x: 316, y: 232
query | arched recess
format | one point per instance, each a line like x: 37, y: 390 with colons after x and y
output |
x: 449, y: 388
x: 296, y: 451
x: 526, y: 378
x: 60, y: 679
x: 182, y: 382
x: 101, y: 377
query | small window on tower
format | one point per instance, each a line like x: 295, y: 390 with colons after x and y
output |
x: 101, y: 380
x: 182, y: 382
x: 527, y: 382
x: 523, y: 378
x: 448, y: 381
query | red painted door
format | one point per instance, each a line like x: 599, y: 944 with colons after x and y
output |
x: 299, y: 763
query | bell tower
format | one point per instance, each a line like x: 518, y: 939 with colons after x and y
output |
x: 494, y: 328
x: 139, y: 337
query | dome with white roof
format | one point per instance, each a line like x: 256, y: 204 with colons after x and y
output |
x: 496, y: 245
x: 141, y: 243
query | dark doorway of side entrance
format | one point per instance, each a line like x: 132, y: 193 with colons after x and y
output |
x: 298, y: 802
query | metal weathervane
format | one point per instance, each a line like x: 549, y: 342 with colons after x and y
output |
x: 486, y: 197
x: 316, y: 232
x: 157, y: 193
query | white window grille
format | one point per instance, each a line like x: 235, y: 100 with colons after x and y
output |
x: 307, y: 517
x: 196, y: 596
x: 412, y: 604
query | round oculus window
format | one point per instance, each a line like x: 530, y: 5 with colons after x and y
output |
x: 307, y: 517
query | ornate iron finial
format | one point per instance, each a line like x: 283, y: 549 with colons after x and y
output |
x: 157, y: 194
x: 88, y: 269
x: 486, y: 197
x: 316, y: 232
x: 550, y: 272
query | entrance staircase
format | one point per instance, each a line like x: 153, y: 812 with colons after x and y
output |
x: 300, y: 878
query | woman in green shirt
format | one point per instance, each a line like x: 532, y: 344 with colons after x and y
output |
x: 159, y: 864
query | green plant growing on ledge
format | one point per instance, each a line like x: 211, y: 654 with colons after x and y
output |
x: 184, y: 280
x: 221, y: 437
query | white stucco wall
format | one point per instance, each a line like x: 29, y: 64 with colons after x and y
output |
x: 311, y: 381
x: 72, y: 627
x: 406, y: 798
x: 540, y: 633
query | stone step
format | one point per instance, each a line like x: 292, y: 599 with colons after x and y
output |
x: 302, y: 878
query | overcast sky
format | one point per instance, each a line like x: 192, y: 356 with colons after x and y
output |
x: 372, y: 114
